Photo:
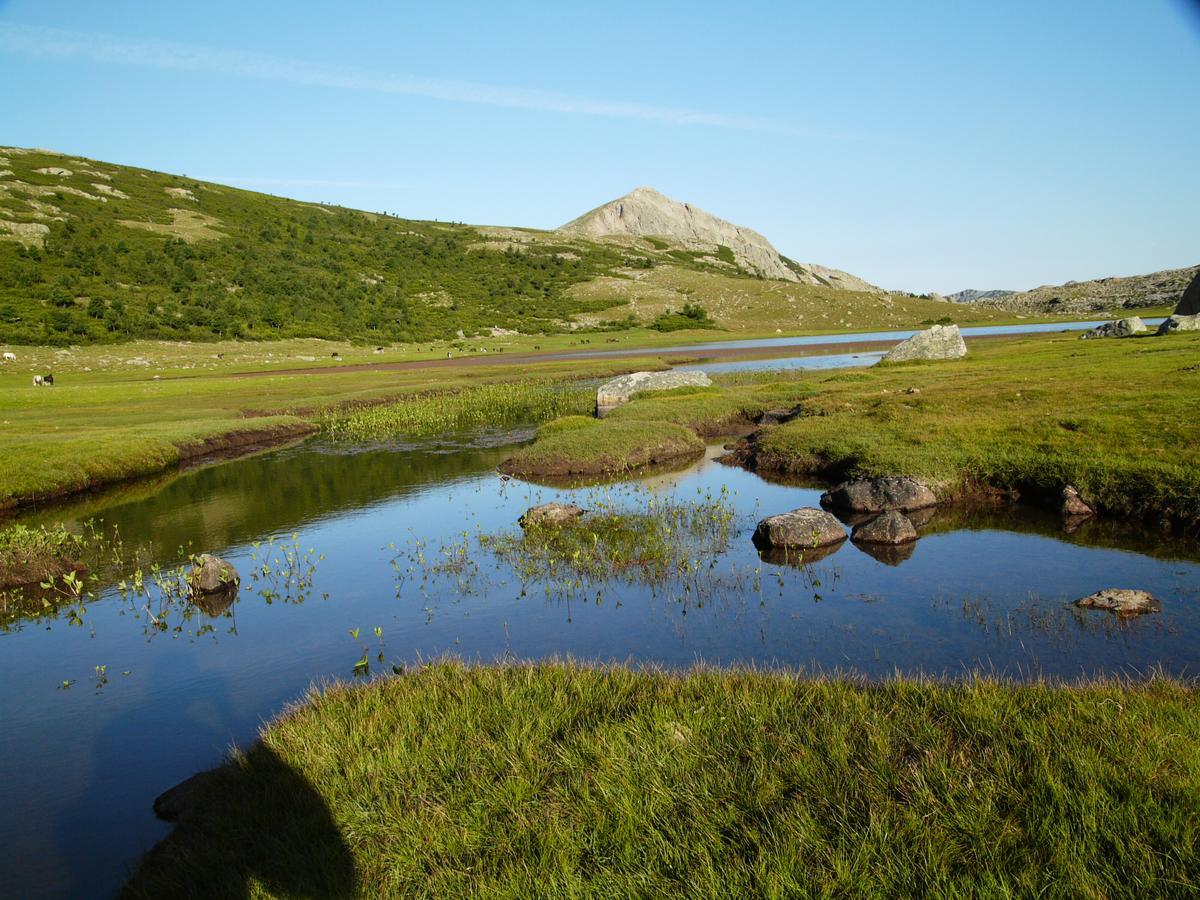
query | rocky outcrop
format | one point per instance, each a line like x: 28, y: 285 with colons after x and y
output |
x: 1179, y: 322
x: 891, y: 527
x: 646, y: 212
x: 1122, y: 601
x: 613, y: 393
x: 1189, y: 303
x: 212, y: 575
x: 550, y: 514
x: 799, y: 529
x: 1120, y: 328
x: 938, y: 342
x: 1120, y: 292
x: 879, y: 494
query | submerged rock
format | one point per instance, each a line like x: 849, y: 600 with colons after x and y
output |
x: 879, y: 494
x: 891, y: 527
x: 174, y: 803
x: 799, y: 529
x: 1177, y: 322
x: 212, y: 575
x: 1073, y: 505
x: 938, y: 342
x: 550, y: 514
x: 1122, y: 601
x: 1120, y: 328
x: 613, y: 393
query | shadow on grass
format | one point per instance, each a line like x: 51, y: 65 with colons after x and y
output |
x: 254, y: 825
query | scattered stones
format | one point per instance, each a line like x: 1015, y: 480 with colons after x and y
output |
x: 1120, y: 328
x: 891, y: 527
x: 618, y: 391
x: 212, y: 575
x: 799, y: 529
x: 938, y: 342
x: 55, y: 170
x: 879, y: 494
x: 1073, y: 505
x: 1122, y: 601
x: 173, y: 803
x: 550, y: 514
x: 1179, y: 322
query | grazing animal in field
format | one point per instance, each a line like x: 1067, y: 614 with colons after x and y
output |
x: 48, y: 380
x: 336, y: 355
x: 37, y: 380
x: 10, y: 357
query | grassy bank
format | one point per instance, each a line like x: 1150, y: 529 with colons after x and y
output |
x: 1115, y: 418
x: 555, y: 780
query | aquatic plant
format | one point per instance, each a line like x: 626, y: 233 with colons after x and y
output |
x: 495, y: 405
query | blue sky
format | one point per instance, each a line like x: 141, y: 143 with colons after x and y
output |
x: 923, y: 146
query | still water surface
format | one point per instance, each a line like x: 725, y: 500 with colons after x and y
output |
x: 79, y: 767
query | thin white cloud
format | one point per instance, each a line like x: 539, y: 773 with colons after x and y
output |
x: 105, y: 48
x: 303, y: 182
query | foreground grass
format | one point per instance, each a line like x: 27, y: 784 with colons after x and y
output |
x: 556, y: 780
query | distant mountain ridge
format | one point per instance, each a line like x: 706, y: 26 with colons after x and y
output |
x: 646, y: 213
x: 970, y: 295
x: 1118, y: 292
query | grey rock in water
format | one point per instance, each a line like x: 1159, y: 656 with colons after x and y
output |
x: 1122, y: 601
x: 1073, y: 504
x: 1120, y: 328
x: 1179, y: 322
x: 891, y: 527
x: 879, y: 494
x: 1189, y: 303
x: 799, y: 529
x: 938, y: 342
x: 613, y: 393
x: 212, y: 575
x: 550, y: 514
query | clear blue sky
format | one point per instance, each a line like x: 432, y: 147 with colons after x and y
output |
x: 923, y: 146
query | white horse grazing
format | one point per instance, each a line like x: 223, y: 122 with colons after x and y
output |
x: 37, y: 380
x: 10, y: 357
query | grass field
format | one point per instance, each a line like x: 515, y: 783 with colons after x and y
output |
x: 556, y: 780
x: 1115, y: 418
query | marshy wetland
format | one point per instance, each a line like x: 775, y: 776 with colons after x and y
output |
x: 391, y: 540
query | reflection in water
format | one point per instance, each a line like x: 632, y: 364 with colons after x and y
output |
x: 406, y: 576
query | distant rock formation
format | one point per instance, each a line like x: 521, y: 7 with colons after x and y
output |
x: 1126, y: 292
x: 1189, y: 303
x: 970, y: 295
x: 644, y: 212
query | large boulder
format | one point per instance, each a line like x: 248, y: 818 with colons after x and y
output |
x: 212, y: 575
x: 1073, y: 504
x: 938, y: 342
x: 1189, y: 303
x: 875, y: 495
x: 1179, y: 322
x: 891, y: 527
x: 800, y: 529
x: 1120, y: 328
x: 550, y: 514
x: 1122, y: 601
x: 613, y: 393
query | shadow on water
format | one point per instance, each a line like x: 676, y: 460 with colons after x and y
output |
x: 253, y: 825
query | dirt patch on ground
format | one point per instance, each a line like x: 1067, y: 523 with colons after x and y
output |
x: 186, y: 224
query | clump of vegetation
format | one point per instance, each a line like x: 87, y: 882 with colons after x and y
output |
x: 29, y: 555
x: 692, y: 315
x: 492, y: 405
x: 664, y: 539
x: 565, y: 780
x: 580, y: 445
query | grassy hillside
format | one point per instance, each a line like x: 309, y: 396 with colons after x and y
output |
x: 92, y: 252
x: 95, y: 252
